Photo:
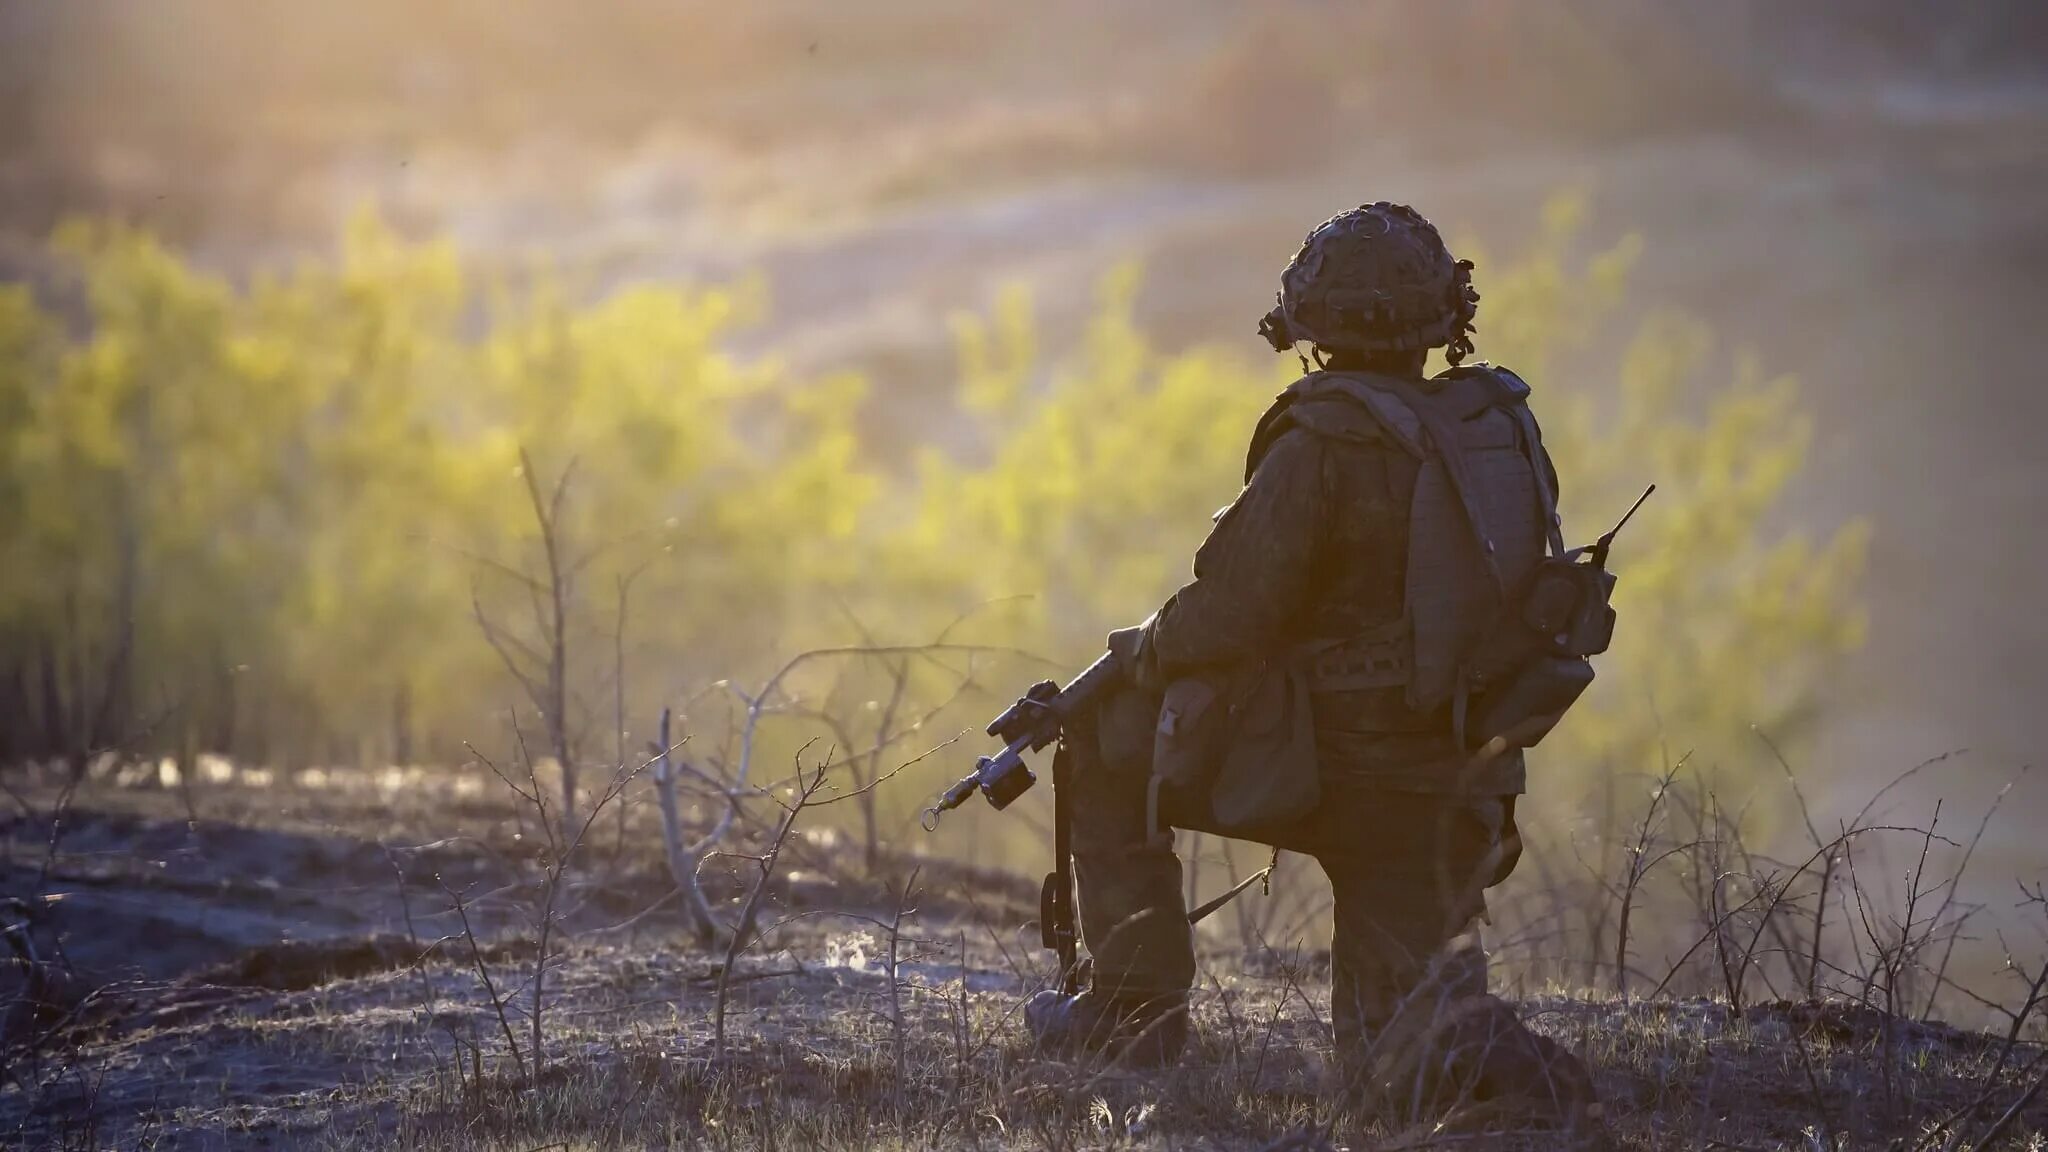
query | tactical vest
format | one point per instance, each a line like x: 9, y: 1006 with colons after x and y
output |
x: 1440, y: 521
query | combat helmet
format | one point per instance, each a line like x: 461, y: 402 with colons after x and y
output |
x: 1375, y: 279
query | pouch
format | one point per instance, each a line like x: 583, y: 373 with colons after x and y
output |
x: 1188, y: 740
x: 1268, y: 773
x: 1523, y: 709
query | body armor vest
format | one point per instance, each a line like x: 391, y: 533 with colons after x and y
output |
x: 1439, y: 515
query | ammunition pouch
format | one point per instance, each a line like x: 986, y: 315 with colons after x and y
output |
x: 1187, y: 744
x: 1244, y: 740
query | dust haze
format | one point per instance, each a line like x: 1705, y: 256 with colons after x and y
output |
x: 1848, y: 193
x: 1851, y: 192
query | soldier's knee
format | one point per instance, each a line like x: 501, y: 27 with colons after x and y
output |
x: 1478, y: 1049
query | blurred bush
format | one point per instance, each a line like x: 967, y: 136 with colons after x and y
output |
x: 265, y: 519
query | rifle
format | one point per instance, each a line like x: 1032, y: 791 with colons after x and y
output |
x: 1039, y: 718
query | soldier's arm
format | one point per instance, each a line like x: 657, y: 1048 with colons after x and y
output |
x: 1253, y: 572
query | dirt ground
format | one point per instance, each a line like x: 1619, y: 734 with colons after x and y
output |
x: 288, y: 969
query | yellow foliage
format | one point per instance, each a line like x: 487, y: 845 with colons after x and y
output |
x: 313, y: 478
x: 311, y: 481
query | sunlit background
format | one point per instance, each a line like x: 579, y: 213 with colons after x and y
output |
x: 825, y: 325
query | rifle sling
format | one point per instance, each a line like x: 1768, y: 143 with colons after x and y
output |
x: 1058, y: 912
x: 1203, y: 913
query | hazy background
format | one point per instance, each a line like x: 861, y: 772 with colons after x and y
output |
x: 1851, y: 191
x: 401, y: 400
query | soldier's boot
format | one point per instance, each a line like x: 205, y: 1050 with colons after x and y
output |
x: 1145, y: 1032
x: 1135, y: 1008
x: 1471, y: 1061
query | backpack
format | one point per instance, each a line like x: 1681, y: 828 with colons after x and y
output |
x: 1499, y: 618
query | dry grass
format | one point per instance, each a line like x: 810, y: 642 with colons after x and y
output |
x: 406, y: 1057
x: 378, y: 1030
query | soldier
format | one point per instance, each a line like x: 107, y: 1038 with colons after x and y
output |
x: 1384, y: 519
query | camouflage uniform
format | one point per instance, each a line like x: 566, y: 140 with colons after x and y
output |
x: 1316, y: 546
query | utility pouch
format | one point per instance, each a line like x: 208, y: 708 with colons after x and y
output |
x: 1532, y: 666
x: 1240, y: 742
x: 1566, y: 607
x: 1523, y: 710
x: 1269, y: 773
x: 1187, y: 745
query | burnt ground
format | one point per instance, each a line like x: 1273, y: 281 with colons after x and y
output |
x: 264, y: 977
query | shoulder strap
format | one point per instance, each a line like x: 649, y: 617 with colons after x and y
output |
x: 1539, y: 463
x: 1376, y: 395
x: 1490, y: 385
x: 1429, y: 416
x: 1339, y: 407
x: 1272, y: 424
x: 1515, y: 396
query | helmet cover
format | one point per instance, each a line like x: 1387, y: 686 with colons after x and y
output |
x: 1375, y: 279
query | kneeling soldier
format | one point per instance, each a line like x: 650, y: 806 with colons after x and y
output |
x: 1314, y: 688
